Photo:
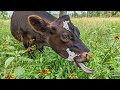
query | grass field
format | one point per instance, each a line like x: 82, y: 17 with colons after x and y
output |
x: 101, y: 36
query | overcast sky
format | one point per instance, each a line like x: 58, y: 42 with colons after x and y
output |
x: 10, y: 12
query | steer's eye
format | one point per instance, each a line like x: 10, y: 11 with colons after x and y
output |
x: 53, y: 29
x: 65, y: 37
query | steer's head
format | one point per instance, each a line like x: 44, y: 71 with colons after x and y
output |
x: 63, y: 37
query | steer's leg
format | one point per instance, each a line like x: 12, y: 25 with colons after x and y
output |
x: 25, y: 43
x: 40, y: 48
x: 27, y: 46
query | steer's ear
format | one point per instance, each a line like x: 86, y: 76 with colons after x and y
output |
x: 38, y: 24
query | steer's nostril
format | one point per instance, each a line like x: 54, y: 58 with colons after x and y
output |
x: 84, y: 54
x: 87, y: 55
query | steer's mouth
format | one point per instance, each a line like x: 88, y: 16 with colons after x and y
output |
x: 79, y: 61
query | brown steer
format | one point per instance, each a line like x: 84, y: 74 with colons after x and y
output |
x: 42, y: 29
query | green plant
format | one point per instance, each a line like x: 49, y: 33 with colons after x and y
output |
x: 101, y: 36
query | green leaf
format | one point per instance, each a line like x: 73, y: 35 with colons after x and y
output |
x: 19, y: 71
x: 22, y: 51
x: 11, y: 48
x: 10, y: 53
x: 8, y: 61
x: 41, y: 59
x: 26, y: 59
x: 47, y: 77
x: 36, y: 76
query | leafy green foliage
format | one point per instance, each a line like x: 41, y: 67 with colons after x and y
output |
x: 19, y: 71
x: 4, y: 15
x: 96, y: 14
x: 8, y: 61
x: 99, y: 35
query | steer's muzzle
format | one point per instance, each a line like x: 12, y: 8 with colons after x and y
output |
x: 84, y: 57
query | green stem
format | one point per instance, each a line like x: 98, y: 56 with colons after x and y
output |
x: 109, y: 50
x: 112, y: 45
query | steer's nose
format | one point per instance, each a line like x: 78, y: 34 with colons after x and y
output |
x: 87, y: 55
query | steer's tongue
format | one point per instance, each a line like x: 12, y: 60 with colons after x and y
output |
x: 84, y: 68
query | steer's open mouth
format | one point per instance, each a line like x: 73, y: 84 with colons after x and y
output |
x: 78, y: 60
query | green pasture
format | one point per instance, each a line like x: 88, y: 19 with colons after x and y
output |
x: 101, y: 36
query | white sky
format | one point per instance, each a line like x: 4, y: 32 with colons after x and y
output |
x: 56, y: 12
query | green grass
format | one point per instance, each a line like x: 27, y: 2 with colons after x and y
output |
x: 98, y: 35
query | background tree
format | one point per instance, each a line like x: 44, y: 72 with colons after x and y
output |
x: 83, y: 14
x: 4, y: 14
x: 49, y: 12
x: 75, y: 14
x: 62, y: 13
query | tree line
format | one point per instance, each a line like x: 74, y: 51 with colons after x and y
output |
x: 5, y: 15
x: 95, y: 14
x: 91, y: 13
